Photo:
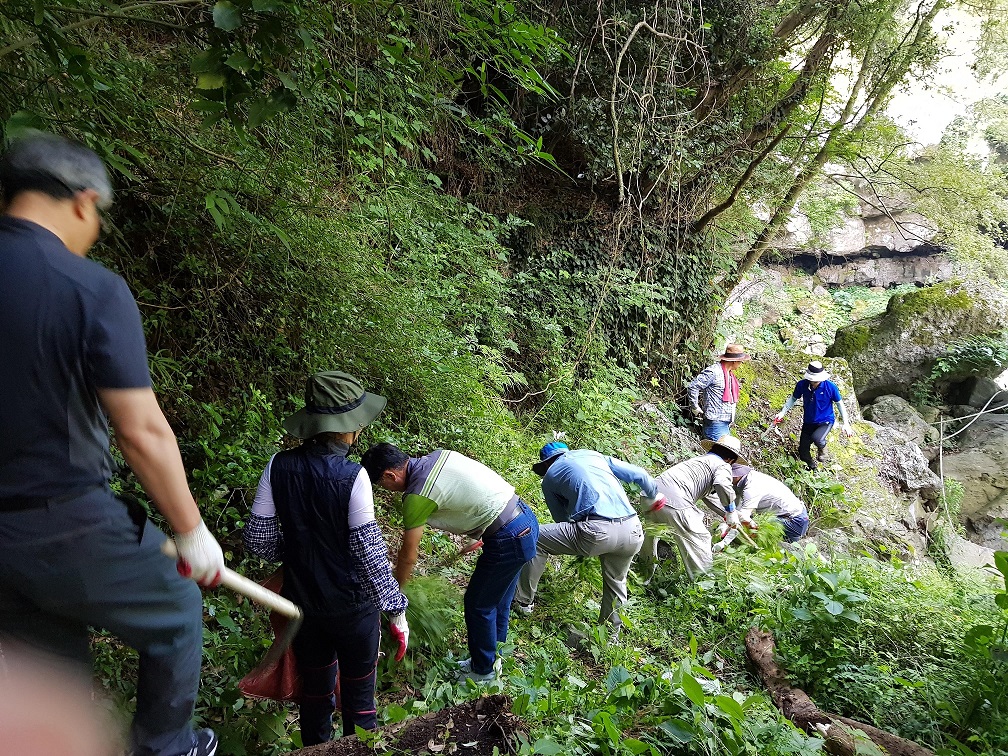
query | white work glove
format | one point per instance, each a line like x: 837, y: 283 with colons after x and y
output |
x: 697, y: 411
x: 748, y: 522
x: 778, y: 417
x: 732, y: 519
x: 400, y: 633
x: 200, y: 556
x: 848, y: 430
x: 652, y: 504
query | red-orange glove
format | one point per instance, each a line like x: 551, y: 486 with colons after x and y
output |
x: 400, y: 633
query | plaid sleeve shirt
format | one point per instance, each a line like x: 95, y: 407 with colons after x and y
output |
x: 262, y: 536
x: 706, y: 391
x: 371, y: 554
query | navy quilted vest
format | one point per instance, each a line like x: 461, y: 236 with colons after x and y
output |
x: 311, y: 488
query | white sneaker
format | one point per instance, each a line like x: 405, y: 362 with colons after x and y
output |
x: 523, y: 609
x: 465, y: 668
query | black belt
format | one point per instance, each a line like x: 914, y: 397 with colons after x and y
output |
x: 611, y: 519
x: 511, y: 510
x: 23, y: 503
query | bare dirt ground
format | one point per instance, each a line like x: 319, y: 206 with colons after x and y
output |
x: 474, y: 728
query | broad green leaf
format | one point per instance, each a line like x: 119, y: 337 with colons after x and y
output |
x: 692, y: 689
x: 210, y: 81
x: 547, y: 747
x: 21, y: 121
x: 1001, y: 562
x: 207, y: 61
x: 239, y: 61
x: 678, y: 729
x: 730, y: 706
x: 635, y: 746
x: 833, y: 607
x: 1001, y: 599
x: 226, y: 16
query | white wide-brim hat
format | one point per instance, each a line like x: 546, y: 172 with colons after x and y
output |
x: 815, y: 372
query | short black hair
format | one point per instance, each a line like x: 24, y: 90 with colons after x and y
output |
x: 381, y: 458
x: 726, y: 454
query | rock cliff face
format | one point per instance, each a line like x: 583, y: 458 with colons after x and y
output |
x: 878, y: 266
x: 882, y: 242
x: 890, y: 352
x: 897, y: 413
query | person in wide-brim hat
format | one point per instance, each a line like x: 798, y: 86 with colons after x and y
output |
x: 335, y: 402
x: 818, y: 395
x: 731, y: 444
x: 714, y: 393
x: 816, y: 373
x: 314, y: 511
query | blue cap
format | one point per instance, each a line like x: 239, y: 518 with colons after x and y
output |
x: 547, y: 454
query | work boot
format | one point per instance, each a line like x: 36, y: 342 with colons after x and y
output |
x: 822, y: 455
x: 206, y: 743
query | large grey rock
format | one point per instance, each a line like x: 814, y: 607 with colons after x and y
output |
x: 979, y: 392
x: 903, y: 466
x: 896, y: 412
x: 980, y: 464
x: 888, y: 353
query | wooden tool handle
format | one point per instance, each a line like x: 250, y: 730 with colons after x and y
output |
x: 240, y: 584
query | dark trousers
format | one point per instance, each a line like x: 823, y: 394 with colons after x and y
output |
x: 325, y: 647
x: 812, y: 434
x: 79, y: 563
x: 492, y: 586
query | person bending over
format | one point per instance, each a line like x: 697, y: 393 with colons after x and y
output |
x: 593, y: 518
x: 451, y: 492
x: 706, y: 478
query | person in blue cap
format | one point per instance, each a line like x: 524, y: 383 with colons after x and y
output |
x: 593, y: 517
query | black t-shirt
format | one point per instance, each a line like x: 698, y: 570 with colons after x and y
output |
x: 68, y: 326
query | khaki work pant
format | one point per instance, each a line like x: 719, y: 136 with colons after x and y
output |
x: 691, y: 537
x: 614, y: 543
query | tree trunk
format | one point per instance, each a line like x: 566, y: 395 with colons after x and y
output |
x: 796, y: 705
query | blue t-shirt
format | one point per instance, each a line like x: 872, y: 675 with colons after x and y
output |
x: 817, y: 403
x: 69, y: 328
x: 583, y: 482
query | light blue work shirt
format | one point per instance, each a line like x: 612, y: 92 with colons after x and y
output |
x: 583, y: 482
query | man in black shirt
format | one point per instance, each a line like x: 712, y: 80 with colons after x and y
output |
x: 72, y: 555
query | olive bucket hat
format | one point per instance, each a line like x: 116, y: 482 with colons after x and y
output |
x: 335, y: 402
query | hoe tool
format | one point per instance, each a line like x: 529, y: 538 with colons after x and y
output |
x: 264, y: 596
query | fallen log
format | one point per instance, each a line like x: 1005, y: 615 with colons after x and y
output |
x: 796, y: 705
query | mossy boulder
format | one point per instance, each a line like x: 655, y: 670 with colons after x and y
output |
x: 890, y: 352
x: 896, y: 412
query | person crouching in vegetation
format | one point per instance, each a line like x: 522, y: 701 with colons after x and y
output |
x: 818, y: 394
x: 593, y: 517
x: 759, y: 492
x: 707, y: 478
x: 451, y: 492
x: 314, y: 510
